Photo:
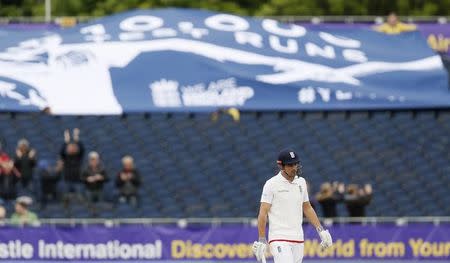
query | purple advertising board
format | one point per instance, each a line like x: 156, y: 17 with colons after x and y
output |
x: 139, y: 243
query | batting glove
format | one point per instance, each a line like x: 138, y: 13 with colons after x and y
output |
x: 325, y: 237
x: 259, y: 248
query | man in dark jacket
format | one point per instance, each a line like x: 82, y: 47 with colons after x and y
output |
x: 49, y: 175
x: 94, y: 177
x: 24, y: 161
x: 328, y: 198
x: 71, y: 154
x: 356, y: 199
x: 128, y: 181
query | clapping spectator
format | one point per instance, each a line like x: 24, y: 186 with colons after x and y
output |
x: 329, y: 197
x: 9, y: 176
x: 94, y: 176
x: 24, y: 161
x: 356, y: 199
x: 22, y: 215
x: 128, y: 181
x: 49, y: 175
x: 71, y: 154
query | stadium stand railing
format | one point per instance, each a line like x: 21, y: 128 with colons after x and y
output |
x: 288, y: 19
x: 183, y: 222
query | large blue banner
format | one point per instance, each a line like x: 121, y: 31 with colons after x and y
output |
x: 143, y: 243
x: 192, y: 60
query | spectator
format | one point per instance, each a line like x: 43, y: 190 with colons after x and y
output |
x: 47, y: 110
x: 24, y: 161
x: 128, y: 181
x: 394, y: 26
x: 94, y: 177
x: 2, y: 213
x: 356, y: 199
x: 234, y: 113
x: 446, y: 61
x: 9, y: 176
x: 3, y: 155
x: 71, y: 154
x: 328, y: 198
x: 49, y: 176
x: 22, y: 216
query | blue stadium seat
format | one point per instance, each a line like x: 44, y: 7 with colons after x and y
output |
x: 194, y: 167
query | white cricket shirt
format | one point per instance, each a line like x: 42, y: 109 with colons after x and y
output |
x: 286, y: 212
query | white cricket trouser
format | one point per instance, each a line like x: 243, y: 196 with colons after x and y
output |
x: 286, y: 252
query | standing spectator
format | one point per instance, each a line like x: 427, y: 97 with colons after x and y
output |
x: 356, y: 199
x: 328, y: 198
x: 49, y: 176
x: 71, y: 154
x: 3, y: 155
x: 2, y: 212
x: 22, y: 216
x: 394, y: 26
x: 24, y: 161
x: 128, y: 181
x: 9, y: 176
x: 94, y: 177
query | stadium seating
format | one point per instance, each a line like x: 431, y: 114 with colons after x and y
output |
x: 194, y: 167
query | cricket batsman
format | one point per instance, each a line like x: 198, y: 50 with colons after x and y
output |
x: 284, y: 200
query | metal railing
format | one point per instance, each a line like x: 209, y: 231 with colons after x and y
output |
x: 311, y: 19
x: 183, y: 222
x: 360, y: 19
x: 41, y: 19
